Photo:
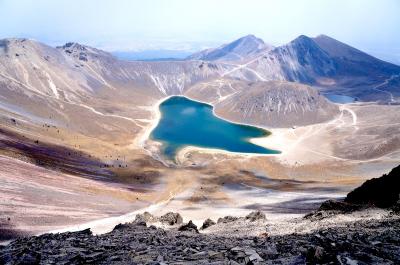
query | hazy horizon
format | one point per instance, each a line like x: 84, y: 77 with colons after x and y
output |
x: 190, y: 26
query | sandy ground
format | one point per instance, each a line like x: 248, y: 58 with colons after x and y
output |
x: 237, y: 200
x: 37, y: 199
x: 307, y: 144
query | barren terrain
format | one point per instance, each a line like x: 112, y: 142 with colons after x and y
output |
x: 74, y: 127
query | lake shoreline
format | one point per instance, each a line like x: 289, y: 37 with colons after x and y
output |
x: 144, y: 140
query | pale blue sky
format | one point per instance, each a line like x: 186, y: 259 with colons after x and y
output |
x: 193, y: 24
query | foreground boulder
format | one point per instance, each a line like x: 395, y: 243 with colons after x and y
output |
x: 381, y: 192
x: 171, y: 218
x: 339, y: 206
x: 227, y: 219
x: 362, y: 242
x: 207, y: 223
x: 190, y: 227
x: 254, y: 216
x: 145, y: 217
x: 244, y: 256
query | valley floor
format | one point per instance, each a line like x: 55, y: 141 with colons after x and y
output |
x: 68, y: 181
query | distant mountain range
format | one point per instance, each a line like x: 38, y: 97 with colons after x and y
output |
x: 33, y: 74
x: 321, y: 61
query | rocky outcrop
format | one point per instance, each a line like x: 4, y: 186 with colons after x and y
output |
x: 340, y: 206
x: 145, y: 217
x: 383, y: 192
x: 254, y: 216
x: 190, y: 227
x: 207, y: 223
x: 227, y: 219
x: 332, y: 207
x: 171, y: 218
x: 363, y: 242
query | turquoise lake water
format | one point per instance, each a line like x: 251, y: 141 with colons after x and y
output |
x: 185, y: 122
x: 342, y: 99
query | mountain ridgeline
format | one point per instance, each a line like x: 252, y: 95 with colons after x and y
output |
x: 38, y: 77
x: 321, y: 61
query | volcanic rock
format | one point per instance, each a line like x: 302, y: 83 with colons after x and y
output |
x: 207, y: 223
x: 171, y: 218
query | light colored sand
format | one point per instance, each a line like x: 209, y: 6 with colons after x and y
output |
x: 310, y: 144
x: 300, y: 145
x: 278, y: 206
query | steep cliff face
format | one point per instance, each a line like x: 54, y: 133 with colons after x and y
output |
x: 276, y: 104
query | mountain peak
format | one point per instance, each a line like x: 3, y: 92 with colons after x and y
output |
x: 247, y: 44
x: 302, y: 39
x: 323, y: 36
x: 250, y: 37
x: 241, y: 49
x: 21, y: 47
x: 8, y: 42
x: 81, y: 51
x: 75, y: 46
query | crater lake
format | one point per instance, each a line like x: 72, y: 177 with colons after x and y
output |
x: 185, y: 122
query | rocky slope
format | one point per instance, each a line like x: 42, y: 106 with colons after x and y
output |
x: 74, y: 111
x: 381, y: 192
x: 365, y: 241
x: 328, y: 63
x: 36, y: 79
x: 372, y: 242
x: 32, y: 75
x: 322, y: 61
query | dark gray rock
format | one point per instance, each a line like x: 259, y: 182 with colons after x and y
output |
x: 190, y: 226
x: 381, y: 192
x: 227, y: 219
x: 254, y: 216
x: 340, y: 206
x: 362, y: 242
x: 244, y: 256
x: 207, y: 223
x: 171, y: 218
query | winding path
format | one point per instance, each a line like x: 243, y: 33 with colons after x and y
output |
x: 391, y: 97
